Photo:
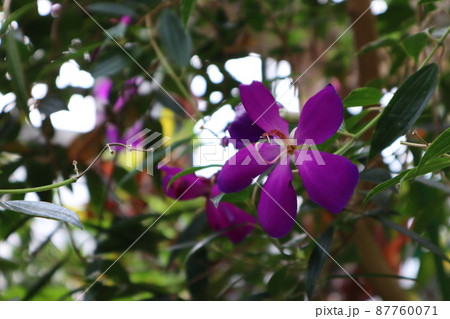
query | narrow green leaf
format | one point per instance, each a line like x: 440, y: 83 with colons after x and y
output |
x: 17, y: 14
x: 440, y: 146
x: 413, y: 235
x: 317, y: 259
x: 238, y: 197
x: 386, y: 42
x: 202, y: 243
x: 111, y: 8
x: 15, y: 69
x: 404, y: 108
x: 186, y: 8
x: 175, y: 39
x: 41, y: 282
x: 43, y: 209
x: 433, y: 165
x: 427, y: 1
x: 414, y: 44
x: 282, y: 283
x: 362, y: 97
x: 189, y: 171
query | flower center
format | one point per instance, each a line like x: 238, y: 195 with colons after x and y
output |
x: 276, y: 133
x: 288, y: 143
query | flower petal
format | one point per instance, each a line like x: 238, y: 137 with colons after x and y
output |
x: 277, y: 207
x: 239, y: 171
x: 321, y: 117
x: 331, y: 184
x: 242, y: 128
x: 262, y: 107
x: 227, y: 215
x: 195, y: 186
x: 102, y: 89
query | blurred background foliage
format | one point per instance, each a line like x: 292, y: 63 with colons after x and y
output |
x: 171, y: 62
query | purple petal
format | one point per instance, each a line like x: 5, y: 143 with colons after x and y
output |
x: 227, y: 215
x: 195, y: 186
x: 262, y: 107
x: 321, y: 117
x: 277, y: 207
x: 133, y: 131
x: 329, y: 179
x: 242, y: 128
x: 112, y: 133
x: 126, y: 20
x: 128, y: 90
x: 239, y: 171
x: 102, y: 89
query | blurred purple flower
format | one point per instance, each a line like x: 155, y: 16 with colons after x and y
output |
x: 113, y: 136
x: 126, y: 20
x: 129, y: 89
x: 329, y: 179
x: 200, y: 185
x: 222, y: 217
x: 102, y: 89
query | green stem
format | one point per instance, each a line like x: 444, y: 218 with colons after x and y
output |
x: 438, y: 44
x: 357, y: 135
x: 40, y: 188
x: 72, y: 179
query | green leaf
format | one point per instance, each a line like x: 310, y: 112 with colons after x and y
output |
x: 111, y: 8
x: 427, y: 1
x: 189, y: 171
x: 238, y: 197
x: 414, y: 44
x: 362, y: 97
x: 43, y: 209
x: 175, y: 39
x: 317, y: 259
x: 386, y: 42
x: 404, y: 108
x: 110, y: 65
x: 433, y: 165
x: 413, y: 235
x: 186, y: 8
x: 15, y: 69
x: 282, y: 283
x: 51, y: 104
x: 17, y: 15
x: 440, y: 146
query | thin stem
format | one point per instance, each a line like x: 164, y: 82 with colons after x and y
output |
x: 345, y: 133
x: 414, y: 144
x: 166, y: 64
x: 357, y: 135
x: 40, y: 188
x: 438, y: 44
x: 72, y: 179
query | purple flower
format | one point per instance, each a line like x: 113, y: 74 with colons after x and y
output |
x: 222, y: 217
x: 329, y: 179
x: 113, y: 136
x: 126, y: 20
x: 242, y: 128
x: 102, y: 89
x: 128, y: 90
x: 200, y: 186
x: 226, y: 215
